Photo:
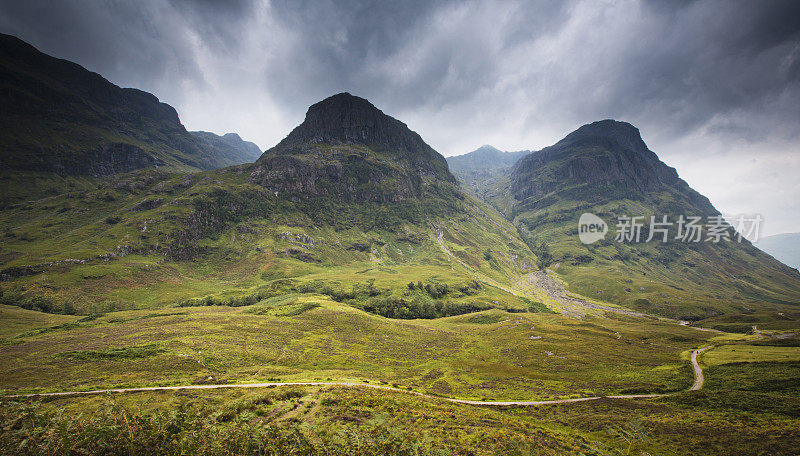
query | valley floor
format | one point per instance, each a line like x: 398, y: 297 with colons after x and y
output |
x: 490, y: 362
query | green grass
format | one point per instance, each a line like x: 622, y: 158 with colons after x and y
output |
x: 749, y: 353
x: 16, y: 320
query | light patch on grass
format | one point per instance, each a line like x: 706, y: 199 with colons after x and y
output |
x: 749, y: 354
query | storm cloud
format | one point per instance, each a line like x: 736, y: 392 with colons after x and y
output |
x: 714, y: 85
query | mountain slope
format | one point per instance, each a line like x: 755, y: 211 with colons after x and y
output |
x: 606, y: 169
x: 59, y: 117
x: 784, y: 247
x: 352, y: 204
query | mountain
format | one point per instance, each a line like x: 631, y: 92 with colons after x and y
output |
x: 784, y: 247
x: 60, y: 118
x: 484, y: 158
x: 602, y: 161
x: 349, y: 149
x: 606, y: 169
x: 483, y: 165
x: 230, y: 147
x: 352, y: 204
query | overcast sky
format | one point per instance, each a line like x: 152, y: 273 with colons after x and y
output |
x: 713, y: 85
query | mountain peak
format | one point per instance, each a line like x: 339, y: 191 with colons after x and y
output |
x: 623, y: 133
x: 343, y: 111
x: 349, y: 148
x: 59, y: 117
x: 486, y: 148
x: 347, y: 119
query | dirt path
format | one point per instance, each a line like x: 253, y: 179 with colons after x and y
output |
x: 698, y: 371
x: 698, y: 384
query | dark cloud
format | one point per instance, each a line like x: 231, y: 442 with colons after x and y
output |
x: 717, y: 76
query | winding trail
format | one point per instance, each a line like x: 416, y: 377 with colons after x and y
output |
x: 698, y: 371
x: 698, y: 384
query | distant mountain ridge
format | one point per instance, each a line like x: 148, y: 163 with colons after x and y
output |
x: 229, y: 147
x: 784, y: 247
x: 483, y: 165
x: 485, y: 157
x: 59, y: 117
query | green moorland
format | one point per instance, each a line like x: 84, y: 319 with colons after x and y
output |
x: 748, y: 419
x: 745, y: 408
x: 493, y: 354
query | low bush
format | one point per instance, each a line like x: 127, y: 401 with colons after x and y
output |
x: 37, y: 302
x: 134, y: 352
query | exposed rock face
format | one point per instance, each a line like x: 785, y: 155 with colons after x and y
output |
x: 59, y: 117
x: 600, y: 161
x: 348, y: 148
x: 103, y: 160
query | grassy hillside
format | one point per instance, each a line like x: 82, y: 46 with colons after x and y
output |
x: 151, y: 239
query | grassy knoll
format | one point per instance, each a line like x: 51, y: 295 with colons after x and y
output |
x: 16, y: 320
